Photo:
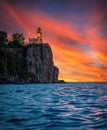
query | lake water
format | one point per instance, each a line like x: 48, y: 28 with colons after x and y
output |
x: 67, y: 106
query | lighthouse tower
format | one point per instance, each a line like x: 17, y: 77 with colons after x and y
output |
x: 38, y: 38
x: 39, y: 35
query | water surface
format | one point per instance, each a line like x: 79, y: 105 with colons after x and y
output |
x: 67, y: 106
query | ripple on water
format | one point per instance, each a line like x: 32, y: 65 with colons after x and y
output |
x: 16, y: 120
x: 19, y: 91
x: 69, y: 106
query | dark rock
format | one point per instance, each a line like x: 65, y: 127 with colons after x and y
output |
x: 55, y: 74
x: 61, y: 81
x: 40, y: 64
x: 30, y: 64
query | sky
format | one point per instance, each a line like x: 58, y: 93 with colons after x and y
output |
x: 75, y: 29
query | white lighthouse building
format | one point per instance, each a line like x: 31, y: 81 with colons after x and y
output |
x: 38, y: 39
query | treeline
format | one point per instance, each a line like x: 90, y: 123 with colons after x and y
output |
x: 17, y: 40
x: 12, y: 57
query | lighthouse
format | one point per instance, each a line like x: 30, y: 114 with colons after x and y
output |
x: 39, y: 35
x: 38, y: 39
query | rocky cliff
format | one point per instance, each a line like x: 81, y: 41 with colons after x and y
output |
x: 40, y: 64
x: 33, y: 63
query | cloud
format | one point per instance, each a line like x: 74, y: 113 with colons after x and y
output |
x: 81, y: 55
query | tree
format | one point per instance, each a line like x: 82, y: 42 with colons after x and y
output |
x: 3, y: 67
x: 11, y: 64
x: 3, y: 38
x: 17, y: 40
x: 18, y: 37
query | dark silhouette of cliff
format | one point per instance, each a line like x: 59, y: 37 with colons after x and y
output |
x: 20, y: 63
x: 30, y: 63
x: 40, y: 66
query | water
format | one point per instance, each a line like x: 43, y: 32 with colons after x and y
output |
x: 69, y: 106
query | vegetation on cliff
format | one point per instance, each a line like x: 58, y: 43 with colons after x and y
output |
x: 12, y: 58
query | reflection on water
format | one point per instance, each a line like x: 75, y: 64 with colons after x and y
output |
x: 69, y: 106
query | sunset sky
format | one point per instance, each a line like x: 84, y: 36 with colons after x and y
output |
x: 75, y: 29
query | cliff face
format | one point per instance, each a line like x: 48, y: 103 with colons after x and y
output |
x: 40, y: 64
x: 32, y: 63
